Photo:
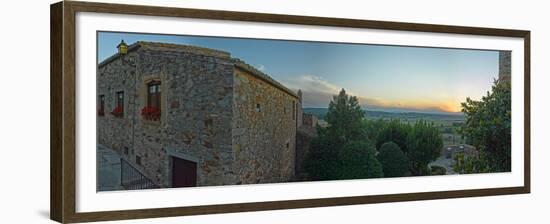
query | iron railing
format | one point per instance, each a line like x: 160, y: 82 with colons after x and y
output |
x: 132, y: 179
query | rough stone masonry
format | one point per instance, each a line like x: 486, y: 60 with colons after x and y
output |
x: 234, y: 123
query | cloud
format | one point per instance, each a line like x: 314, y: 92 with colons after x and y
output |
x: 317, y: 92
x: 261, y: 67
x: 312, y: 83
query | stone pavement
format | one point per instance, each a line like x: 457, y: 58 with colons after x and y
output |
x: 108, y: 172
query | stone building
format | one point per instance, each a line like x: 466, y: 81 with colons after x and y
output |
x: 190, y: 116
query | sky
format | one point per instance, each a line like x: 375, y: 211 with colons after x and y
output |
x: 389, y: 78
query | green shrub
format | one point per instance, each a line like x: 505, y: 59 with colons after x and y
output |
x: 322, y: 158
x: 394, y: 162
x: 358, y: 161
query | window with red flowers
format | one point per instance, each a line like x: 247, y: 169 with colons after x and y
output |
x: 101, y: 109
x: 119, y: 105
x: 152, y: 110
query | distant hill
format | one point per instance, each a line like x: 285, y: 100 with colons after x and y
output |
x: 375, y: 114
x: 414, y: 115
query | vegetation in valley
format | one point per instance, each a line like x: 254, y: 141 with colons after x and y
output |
x: 354, y: 145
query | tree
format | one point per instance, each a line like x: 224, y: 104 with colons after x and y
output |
x: 344, y: 117
x: 424, y: 144
x: 488, y: 126
x: 470, y: 164
x: 373, y: 128
x: 396, y: 132
x: 358, y: 161
x: 394, y: 162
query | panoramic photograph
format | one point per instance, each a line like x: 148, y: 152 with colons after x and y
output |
x: 194, y: 111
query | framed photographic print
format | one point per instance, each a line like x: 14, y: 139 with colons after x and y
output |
x: 160, y: 111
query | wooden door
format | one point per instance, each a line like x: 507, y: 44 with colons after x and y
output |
x: 184, y: 173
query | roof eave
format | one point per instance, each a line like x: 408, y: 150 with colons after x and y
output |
x: 264, y: 77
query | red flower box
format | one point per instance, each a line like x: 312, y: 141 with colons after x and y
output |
x: 150, y: 113
x: 117, y: 112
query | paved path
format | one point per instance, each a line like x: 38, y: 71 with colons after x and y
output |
x: 444, y: 162
x: 108, y: 171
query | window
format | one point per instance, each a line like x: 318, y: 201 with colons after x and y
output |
x: 151, y: 111
x: 101, y: 110
x: 258, y: 107
x: 138, y: 160
x: 153, y: 94
x: 125, y: 150
x: 119, y: 104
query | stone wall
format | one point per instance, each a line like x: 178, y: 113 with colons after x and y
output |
x: 303, y: 143
x: 264, y: 130
x: 119, y: 75
x: 306, y: 132
x: 299, y: 109
x: 196, y: 115
x: 310, y: 121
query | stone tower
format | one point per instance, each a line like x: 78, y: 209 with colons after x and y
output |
x: 505, y: 65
